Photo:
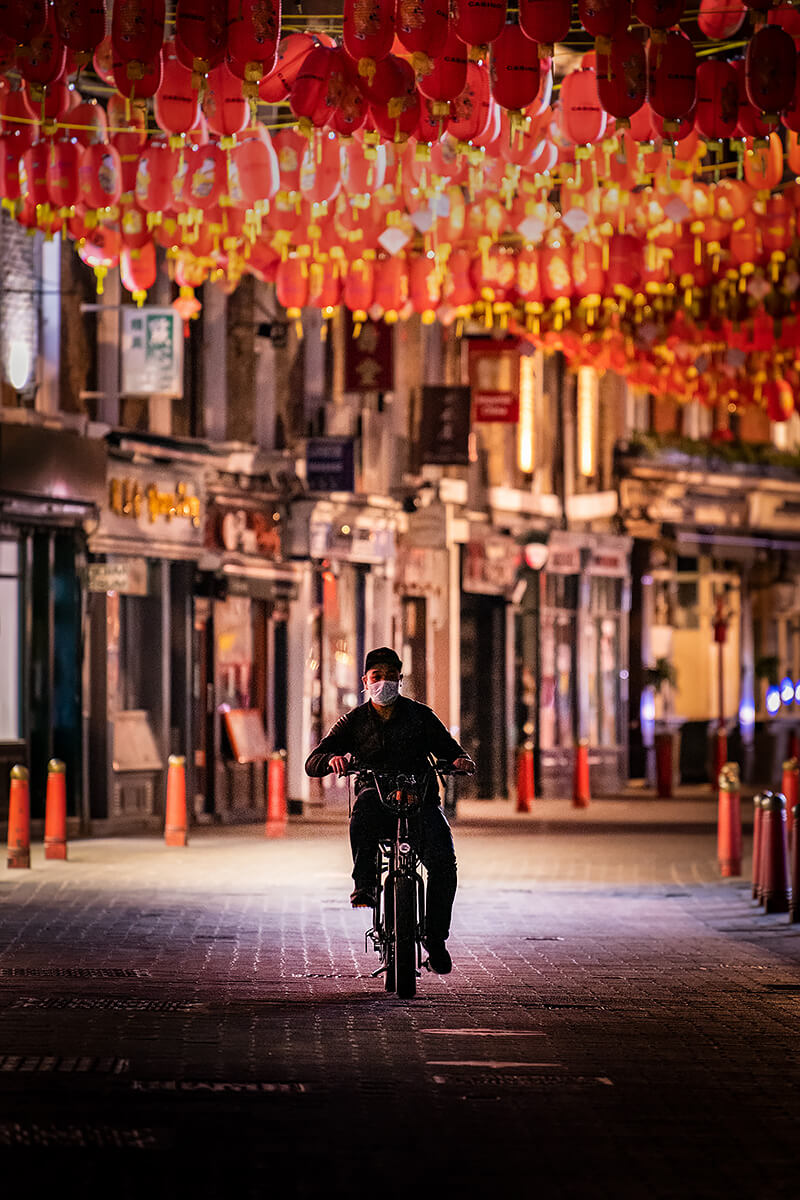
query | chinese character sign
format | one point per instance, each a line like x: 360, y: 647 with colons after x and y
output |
x: 152, y: 352
x: 369, y: 359
x: 440, y: 433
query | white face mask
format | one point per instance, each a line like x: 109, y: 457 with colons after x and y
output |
x: 383, y: 691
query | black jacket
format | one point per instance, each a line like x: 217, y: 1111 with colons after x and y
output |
x: 401, y: 743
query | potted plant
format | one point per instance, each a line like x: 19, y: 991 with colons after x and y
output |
x: 662, y: 679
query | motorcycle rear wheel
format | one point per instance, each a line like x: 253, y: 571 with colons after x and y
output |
x: 388, y: 918
x: 405, y: 941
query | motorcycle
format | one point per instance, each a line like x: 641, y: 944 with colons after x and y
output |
x: 398, y: 926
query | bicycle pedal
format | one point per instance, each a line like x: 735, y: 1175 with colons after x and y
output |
x: 426, y: 966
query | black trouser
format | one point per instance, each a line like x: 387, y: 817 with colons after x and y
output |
x: 371, y: 822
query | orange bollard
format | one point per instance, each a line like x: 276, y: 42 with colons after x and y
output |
x: 581, y: 795
x: 758, y: 816
x: 790, y: 790
x: 55, y: 811
x: 775, y: 856
x: 794, y: 868
x: 175, y: 827
x: 720, y: 754
x: 525, y: 780
x: 729, y: 822
x: 276, y: 795
x: 19, y: 819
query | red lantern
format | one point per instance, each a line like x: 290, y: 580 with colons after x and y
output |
x: 779, y: 399
x: 398, y: 118
x: 133, y: 226
x: 254, y: 30
x: 137, y: 35
x: 368, y: 32
x: 545, y: 22
x: 92, y: 116
x: 671, y: 72
x: 362, y: 175
x: 751, y: 122
x: 100, y: 250
x: 292, y: 50
x: 100, y: 176
x: 43, y: 59
x: 137, y: 270
x: 157, y: 169
x: 625, y: 264
x: 253, y: 171
x: 478, y: 25
x: 320, y: 178
x: 604, y: 19
x: 432, y: 126
x: 424, y: 287
x: 291, y: 286
x: 9, y: 167
x: 359, y: 290
x: 778, y: 228
x: 24, y: 20
x: 770, y: 71
x: 201, y: 33
x: 350, y: 112
x: 721, y: 19
x: 137, y: 86
x: 717, y: 99
x: 763, y: 165
x: 33, y: 174
x: 787, y: 16
x: 659, y: 15
x: 582, y: 119
x: 81, y: 27
x: 514, y: 68
x: 324, y: 286
x: 206, y: 175
x: 391, y: 286
x: 449, y: 75
x: 13, y: 106
x: 62, y: 173
x: 176, y: 106
x: 470, y: 109
x: 556, y: 273
x: 422, y: 27
x: 225, y: 108
x: 621, y: 74
x: 311, y: 98
x: 289, y: 147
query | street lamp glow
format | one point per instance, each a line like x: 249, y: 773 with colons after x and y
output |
x: 587, y: 420
x: 773, y: 700
x: 527, y: 381
x: 787, y: 690
x: 19, y: 365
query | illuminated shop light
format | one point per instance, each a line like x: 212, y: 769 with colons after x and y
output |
x: 773, y: 700
x: 747, y: 714
x: 587, y: 420
x: 527, y: 395
x: 787, y: 690
x: 19, y: 364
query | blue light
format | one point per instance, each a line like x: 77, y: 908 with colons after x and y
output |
x: 647, y: 714
x: 747, y: 714
x: 797, y: 693
x: 773, y: 700
x: 787, y: 690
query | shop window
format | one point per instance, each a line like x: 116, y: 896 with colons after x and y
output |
x: 687, y: 612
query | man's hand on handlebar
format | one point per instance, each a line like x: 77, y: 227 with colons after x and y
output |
x: 339, y: 763
x: 464, y: 764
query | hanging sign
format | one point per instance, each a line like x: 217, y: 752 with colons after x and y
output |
x: 152, y: 352
x: 369, y: 358
x: 330, y: 464
x: 496, y: 406
x: 441, y: 425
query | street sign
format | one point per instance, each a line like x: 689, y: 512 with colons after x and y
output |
x: 330, y: 464
x: 152, y: 352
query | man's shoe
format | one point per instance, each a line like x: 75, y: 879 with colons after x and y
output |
x: 363, y: 897
x: 438, y: 956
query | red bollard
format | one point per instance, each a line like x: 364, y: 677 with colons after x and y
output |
x: 775, y: 857
x: 729, y: 822
x: 19, y: 819
x: 790, y: 790
x: 794, y: 745
x: 581, y: 796
x: 758, y: 815
x: 276, y: 795
x: 525, y: 779
x: 176, y: 825
x: 794, y: 868
x: 55, y: 810
x: 720, y: 754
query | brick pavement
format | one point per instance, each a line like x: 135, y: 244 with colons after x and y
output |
x: 202, y: 1021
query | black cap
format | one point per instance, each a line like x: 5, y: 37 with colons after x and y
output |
x: 383, y: 655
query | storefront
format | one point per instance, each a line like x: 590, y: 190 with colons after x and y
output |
x: 144, y: 556
x: 52, y: 485
x: 489, y: 572
x: 572, y: 657
x: 241, y: 620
